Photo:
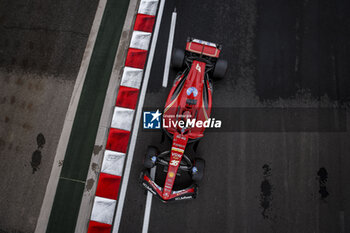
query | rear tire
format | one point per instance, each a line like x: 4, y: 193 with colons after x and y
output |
x: 220, y: 69
x: 198, y: 169
x: 150, y: 157
x: 177, y: 58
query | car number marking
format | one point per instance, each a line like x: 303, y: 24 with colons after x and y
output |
x: 174, y: 162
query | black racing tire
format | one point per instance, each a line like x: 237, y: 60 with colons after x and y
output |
x: 150, y: 153
x: 177, y: 58
x: 199, y: 164
x: 220, y: 69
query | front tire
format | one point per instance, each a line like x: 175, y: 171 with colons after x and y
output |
x: 198, y: 169
x: 150, y: 157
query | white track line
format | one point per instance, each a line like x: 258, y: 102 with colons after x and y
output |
x: 146, y: 217
x: 135, y: 131
x: 170, y: 48
x: 148, y: 206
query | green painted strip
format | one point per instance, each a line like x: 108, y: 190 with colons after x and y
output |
x: 68, y: 196
x: 64, y: 214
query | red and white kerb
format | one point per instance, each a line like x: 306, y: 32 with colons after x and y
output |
x: 118, y: 139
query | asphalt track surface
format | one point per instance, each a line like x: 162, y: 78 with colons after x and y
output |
x: 264, y: 181
x: 254, y: 182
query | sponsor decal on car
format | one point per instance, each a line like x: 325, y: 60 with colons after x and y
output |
x: 177, y: 149
x: 176, y: 155
x: 204, y: 42
x: 180, y: 192
x: 198, y: 68
x: 193, y: 90
x: 174, y: 163
x: 183, y: 198
x: 178, y: 145
x: 149, y: 188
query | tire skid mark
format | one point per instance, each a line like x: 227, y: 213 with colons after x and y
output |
x: 36, y: 156
x: 266, y: 192
x: 322, y: 181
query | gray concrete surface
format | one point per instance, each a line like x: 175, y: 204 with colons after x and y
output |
x: 41, y: 48
x: 266, y: 181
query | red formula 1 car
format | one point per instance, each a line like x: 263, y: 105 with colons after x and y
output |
x: 186, y: 114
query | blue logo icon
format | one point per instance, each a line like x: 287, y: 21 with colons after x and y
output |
x: 191, y: 90
x: 151, y: 120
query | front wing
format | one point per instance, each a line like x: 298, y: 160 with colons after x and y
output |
x: 150, y: 185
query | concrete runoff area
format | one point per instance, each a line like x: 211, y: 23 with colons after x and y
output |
x: 265, y: 181
x: 41, y: 47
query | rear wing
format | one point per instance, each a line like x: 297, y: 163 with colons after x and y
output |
x: 203, y: 47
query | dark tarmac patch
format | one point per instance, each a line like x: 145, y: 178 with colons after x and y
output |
x: 3, y: 100
x: 13, y: 100
x: 97, y: 149
x: 95, y: 168
x: 27, y: 126
x: 89, y: 184
x: 322, y: 180
x: 30, y: 106
x: 36, y: 160
x: 19, y: 82
x: 13, y: 61
x: 36, y: 156
x: 266, y: 191
x: 40, y: 140
x: 23, y: 105
x: 60, y: 163
x: 2, y: 143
